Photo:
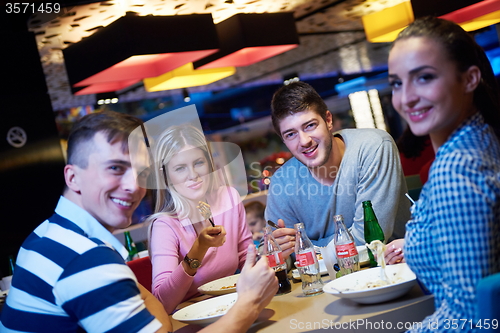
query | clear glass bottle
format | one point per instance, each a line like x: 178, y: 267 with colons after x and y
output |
x: 372, y: 228
x: 272, y: 251
x: 345, y: 249
x: 307, y: 263
x: 130, y: 246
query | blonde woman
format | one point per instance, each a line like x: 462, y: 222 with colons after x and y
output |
x: 185, y: 249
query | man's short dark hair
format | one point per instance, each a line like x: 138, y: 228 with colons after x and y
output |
x: 295, y: 97
x: 116, y: 126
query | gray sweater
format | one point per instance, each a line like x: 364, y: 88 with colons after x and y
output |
x: 370, y: 170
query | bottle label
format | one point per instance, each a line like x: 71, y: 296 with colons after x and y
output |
x: 275, y: 259
x: 346, y: 250
x: 305, y: 259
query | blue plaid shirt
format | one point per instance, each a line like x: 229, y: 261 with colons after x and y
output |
x: 453, y: 238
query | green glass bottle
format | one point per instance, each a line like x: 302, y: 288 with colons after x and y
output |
x: 373, y: 231
x: 130, y: 246
x: 12, y: 264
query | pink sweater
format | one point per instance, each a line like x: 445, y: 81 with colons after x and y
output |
x: 170, y: 241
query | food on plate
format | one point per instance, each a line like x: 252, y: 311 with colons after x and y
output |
x: 220, y: 286
x: 372, y: 284
x: 229, y: 287
x: 365, y: 287
x: 378, y: 249
x: 378, y: 283
x: 218, y: 311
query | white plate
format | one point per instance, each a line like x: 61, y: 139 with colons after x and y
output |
x: 363, y: 260
x: 207, y: 311
x: 402, y: 272
x: 216, y: 287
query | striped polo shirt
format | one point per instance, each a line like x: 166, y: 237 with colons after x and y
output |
x: 71, y: 275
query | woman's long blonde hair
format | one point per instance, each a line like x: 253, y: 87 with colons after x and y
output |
x: 168, y: 201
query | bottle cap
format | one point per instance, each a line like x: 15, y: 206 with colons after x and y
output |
x: 337, y: 218
x: 298, y: 225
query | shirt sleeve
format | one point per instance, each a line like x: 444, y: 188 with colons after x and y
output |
x: 170, y: 280
x: 464, y: 215
x: 382, y: 182
x: 100, y: 291
x: 245, y: 236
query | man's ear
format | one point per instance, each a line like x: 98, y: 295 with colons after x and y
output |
x: 473, y: 78
x: 71, y: 177
x: 329, y: 120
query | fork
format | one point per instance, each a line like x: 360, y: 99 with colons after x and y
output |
x: 272, y: 224
x: 205, y: 211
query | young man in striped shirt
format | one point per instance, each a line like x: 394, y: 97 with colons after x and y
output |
x: 71, y: 274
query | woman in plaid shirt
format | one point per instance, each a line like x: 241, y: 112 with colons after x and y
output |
x: 443, y: 85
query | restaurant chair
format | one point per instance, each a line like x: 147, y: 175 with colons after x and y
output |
x: 487, y: 295
x: 414, y: 185
x: 143, y: 271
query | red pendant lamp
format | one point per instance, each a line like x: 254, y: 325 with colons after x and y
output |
x: 249, y: 38
x: 135, y: 47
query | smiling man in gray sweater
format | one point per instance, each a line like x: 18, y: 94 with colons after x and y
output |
x: 331, y: 174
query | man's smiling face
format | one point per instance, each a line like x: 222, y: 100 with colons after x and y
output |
x: 108, y: 187
x: 308, y: 137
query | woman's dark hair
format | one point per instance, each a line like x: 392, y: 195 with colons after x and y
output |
x: 465, y: 52
x: 295, y: 97
x: 410, y: 145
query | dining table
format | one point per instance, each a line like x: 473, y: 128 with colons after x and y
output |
x: 295, y: 312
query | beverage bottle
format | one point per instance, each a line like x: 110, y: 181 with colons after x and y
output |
x: 272, y: 251
x: 307, y: 263
x: 373, y: 231
x: 347, y: 255
x: 130, y: 246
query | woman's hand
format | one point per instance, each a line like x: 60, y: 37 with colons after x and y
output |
x: 394, y: 252
x: 212, y: 237
x: 208, y: 237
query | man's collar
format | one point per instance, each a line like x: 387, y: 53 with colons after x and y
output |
x: 92, y: 228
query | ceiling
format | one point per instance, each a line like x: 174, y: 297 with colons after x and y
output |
x: 332, y: 40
